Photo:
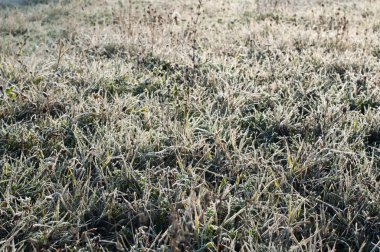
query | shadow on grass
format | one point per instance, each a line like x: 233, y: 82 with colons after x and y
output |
x: 14, y: 3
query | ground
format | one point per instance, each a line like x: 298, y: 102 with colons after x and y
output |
x: 213, y: 125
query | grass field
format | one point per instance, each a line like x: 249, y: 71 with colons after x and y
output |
x: 220, y: 125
